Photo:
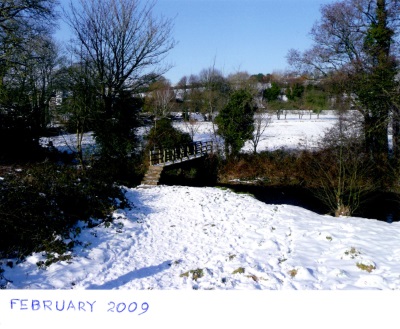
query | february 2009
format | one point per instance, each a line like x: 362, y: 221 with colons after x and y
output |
x: 17, y: 304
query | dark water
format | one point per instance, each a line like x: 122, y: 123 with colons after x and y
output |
x: 383, y: 207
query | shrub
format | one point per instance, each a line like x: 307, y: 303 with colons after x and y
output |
x: 341, y: 169
x: 126, y: 171
x: 164, y: 136
x: 39, y: 206
x: 268, y: 168
x: 115, y: 130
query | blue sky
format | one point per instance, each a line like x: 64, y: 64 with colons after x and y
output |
x: 239, y: 35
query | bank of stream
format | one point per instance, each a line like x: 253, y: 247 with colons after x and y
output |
x: 383, y: 206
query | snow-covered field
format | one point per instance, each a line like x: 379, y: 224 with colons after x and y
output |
x: 289, y: 133
x: 206, y: 238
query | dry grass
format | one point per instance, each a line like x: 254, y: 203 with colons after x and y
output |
x: 196, y: 274
x: 368, y: 268
x: 293, y: 273
x: 239, y: 270
x: 272, y: 168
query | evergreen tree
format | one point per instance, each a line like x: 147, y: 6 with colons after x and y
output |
x: 272, y: 94
x: 295, y: 92
x: 236, y: 121
x: 315, y: 99
x: 163, y: 135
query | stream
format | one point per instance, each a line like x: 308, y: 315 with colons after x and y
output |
x: 384, y: 207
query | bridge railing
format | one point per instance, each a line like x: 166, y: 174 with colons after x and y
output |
x: 182, y: 153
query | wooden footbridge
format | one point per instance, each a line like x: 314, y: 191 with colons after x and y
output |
x: 161, y: 158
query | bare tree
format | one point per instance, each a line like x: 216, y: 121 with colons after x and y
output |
x: 20, y: 18
x: 342, y: 168
x: 123, y: 41
x: 214, y: 96
x: 182, y: 89
x: 192, y: 126
x: 262, y: 120
x: 214, y: 90
x: 160, y: 99
x: 27, y: 57
x: 79, y: 104
x: 357, y: 39
x: 125, y: 48
x: 242, y: 80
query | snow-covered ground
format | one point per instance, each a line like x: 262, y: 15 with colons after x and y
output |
x: 293, y: 132
x: 185, y: 238
x: 207, y: 238
x: 289, y: 133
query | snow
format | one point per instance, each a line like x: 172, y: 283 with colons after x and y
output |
x: 67, y: 143
x: 294, y: 133
x: 187, y: 238
x: 232, y: 241
x: 289, y: 133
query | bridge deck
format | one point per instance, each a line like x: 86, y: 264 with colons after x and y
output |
x: 163, y: 158
x: 188, y: 152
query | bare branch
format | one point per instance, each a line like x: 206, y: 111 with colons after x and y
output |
x: 122, y: 40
